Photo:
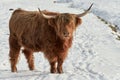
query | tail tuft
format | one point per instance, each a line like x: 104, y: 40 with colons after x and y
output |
x: 11, y: 9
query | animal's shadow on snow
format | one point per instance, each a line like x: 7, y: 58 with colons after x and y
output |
x: 7, y: 74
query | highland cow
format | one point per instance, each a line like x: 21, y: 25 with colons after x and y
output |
x: 48, y: 32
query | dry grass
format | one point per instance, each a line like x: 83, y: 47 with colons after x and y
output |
x: 113, y: 27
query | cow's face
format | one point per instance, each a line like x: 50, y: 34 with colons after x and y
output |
x: 65, y: 24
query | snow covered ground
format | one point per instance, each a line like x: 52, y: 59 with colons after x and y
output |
x: 95, y: 54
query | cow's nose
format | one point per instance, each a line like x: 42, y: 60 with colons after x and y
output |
x: 66, y: 34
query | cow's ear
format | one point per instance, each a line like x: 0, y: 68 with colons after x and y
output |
x: 52, y: 22
x: 78, y: 21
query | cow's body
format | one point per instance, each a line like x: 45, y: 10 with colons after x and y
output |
x: 52, y: 36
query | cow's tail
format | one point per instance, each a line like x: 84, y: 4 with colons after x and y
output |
x: 11, y: 9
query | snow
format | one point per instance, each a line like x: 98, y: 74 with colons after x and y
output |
x: 108, y: 10
x: 95, y: 52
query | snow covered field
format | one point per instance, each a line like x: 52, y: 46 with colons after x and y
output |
x: 95, y: 54
x: 108, y: 10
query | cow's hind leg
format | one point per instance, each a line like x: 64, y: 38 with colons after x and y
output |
x: 30, y: 58
x: 14, y: 53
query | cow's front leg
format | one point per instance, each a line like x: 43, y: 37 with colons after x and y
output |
x: 59, y: 66
x: 53, y: 68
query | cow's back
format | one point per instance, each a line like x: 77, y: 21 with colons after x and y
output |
x: 22, y: 21
x: 24, y: 25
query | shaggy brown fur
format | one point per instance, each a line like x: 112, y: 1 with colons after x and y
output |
x: 52, y: 36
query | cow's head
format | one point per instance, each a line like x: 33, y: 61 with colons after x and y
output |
x: 65, y: 23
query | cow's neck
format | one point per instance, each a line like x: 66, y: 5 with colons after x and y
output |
x: 64, y: 44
